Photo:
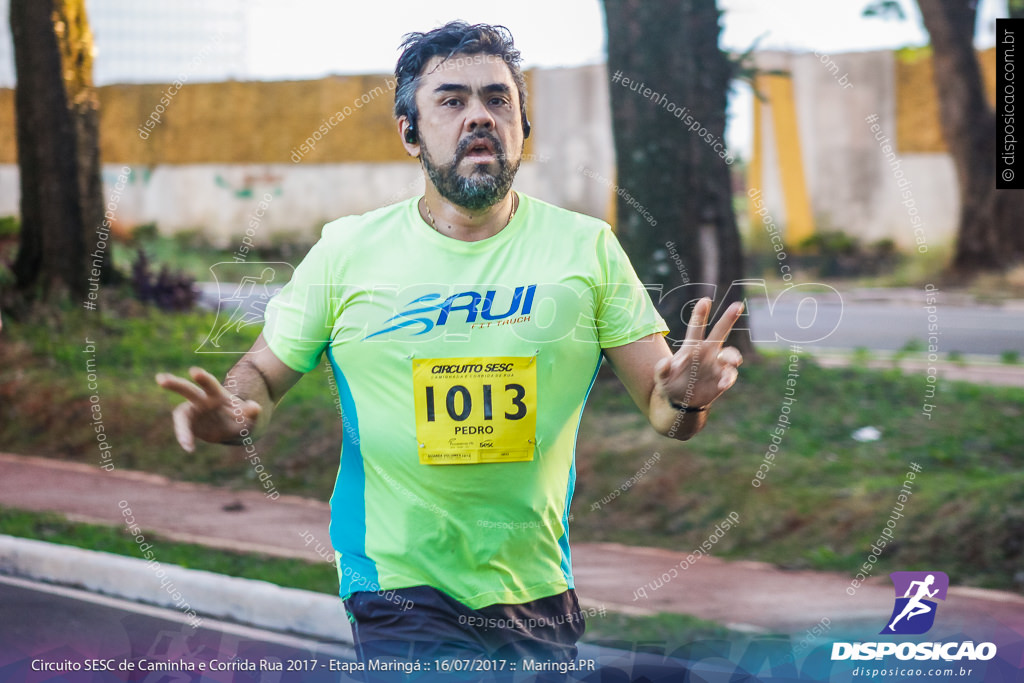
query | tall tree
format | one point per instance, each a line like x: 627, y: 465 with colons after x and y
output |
x: 988, y: 234
x: 669, y: 89
x: 57, y: 113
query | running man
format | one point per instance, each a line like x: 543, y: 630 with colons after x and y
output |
x: 914, y: 606
x: 465, y: 329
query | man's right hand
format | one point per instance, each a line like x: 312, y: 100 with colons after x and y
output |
x: 211, y: 413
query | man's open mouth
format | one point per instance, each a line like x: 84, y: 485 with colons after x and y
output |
x: 480, y: 151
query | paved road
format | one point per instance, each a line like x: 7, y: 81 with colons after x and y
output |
x: 70, y: 630
x: 831, y: 322
x: 51, y: 633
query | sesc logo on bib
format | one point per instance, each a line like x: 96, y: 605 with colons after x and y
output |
x: 475, y: 410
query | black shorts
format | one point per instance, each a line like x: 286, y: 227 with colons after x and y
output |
x: 439, y: 638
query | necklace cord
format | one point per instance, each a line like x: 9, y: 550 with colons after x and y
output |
x: 433, y: 224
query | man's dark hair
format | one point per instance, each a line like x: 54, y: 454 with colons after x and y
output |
x: 454, y: 38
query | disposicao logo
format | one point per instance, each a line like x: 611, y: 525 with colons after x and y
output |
x: 913, y: 613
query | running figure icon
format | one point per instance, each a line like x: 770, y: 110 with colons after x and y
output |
x: 915, y: 606
x: 247, y: 312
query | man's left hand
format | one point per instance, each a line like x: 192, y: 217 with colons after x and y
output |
x: 701, y: 370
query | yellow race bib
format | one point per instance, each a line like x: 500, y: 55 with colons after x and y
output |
x: 475, y: 410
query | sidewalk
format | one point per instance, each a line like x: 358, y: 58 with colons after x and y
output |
x: 749, y: 596
x: 974, y: 369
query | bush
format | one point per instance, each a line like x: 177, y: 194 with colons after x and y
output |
x: 837, y: 254
x: 9, y: 227
x: 191, y: 239
x: 168, y: 290
x: 144, y: 233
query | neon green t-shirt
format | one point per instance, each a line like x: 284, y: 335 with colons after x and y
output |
x: 462, y: 369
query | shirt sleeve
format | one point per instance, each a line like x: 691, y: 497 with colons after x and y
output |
x: 625, y: 312
x: 299, y: 320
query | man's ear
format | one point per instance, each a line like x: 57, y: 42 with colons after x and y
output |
x: 409, y: 135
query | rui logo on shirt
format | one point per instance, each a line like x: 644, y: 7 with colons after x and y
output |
x: 425, y: 313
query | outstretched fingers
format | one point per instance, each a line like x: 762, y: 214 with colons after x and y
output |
x: 726, y: 323
x: 187, y: 390
x: 698, y: 321
x: 209, y: 384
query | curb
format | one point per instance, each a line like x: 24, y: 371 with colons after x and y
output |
x: 246, y: 601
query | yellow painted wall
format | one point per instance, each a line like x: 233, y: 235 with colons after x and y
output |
x: 8, y: 148
x: 917, y: 128
x: 755, y: 169
x: 241, y: 122
x: 252, y: 122
x: 778, y: 90
x: 917, y: 111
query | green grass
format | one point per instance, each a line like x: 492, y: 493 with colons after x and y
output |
x: 662, y: 630
x: 45, y: 398
x: 825, y: 498
x: 861, y: 356
x: 46, y: 526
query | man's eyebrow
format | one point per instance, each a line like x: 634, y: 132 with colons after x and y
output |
x: 462, y: 88
x: 497, y: 88
x: 451, y: 87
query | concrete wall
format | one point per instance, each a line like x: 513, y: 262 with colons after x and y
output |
x: 572, y: 127
x: 906, y: 191
x: 219, y: 150
x: 221, y: 201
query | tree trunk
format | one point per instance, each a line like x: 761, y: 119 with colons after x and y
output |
x: 674, y: 206
x: 63, y: 238
x: 988, y: 237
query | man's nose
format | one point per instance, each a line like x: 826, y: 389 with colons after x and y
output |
x: 478, y: 116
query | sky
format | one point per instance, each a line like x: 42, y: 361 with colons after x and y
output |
x: 310, y: 38
x: 307, y: 39
x: 313, y: 38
